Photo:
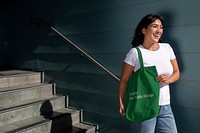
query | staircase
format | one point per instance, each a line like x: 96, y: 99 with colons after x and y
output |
x: 28, y: 105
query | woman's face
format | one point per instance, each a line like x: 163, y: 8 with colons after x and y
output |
x: 153, y: 32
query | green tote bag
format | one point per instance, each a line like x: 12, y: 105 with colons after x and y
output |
x: 142, y: 93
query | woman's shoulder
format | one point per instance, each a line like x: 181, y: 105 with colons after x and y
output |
x: 132, y: 50
x: 165, y: 45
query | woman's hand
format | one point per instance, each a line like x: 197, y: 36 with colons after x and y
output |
x: 122, y: 110
x: 164, y: 78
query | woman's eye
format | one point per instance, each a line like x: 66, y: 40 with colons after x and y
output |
x: 154, y: 26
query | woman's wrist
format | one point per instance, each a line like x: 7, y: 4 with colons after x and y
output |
x: 170, y: 80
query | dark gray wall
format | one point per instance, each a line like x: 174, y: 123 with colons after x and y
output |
x: 104, y: 29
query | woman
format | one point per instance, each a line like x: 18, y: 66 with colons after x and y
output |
x: 147, y: 37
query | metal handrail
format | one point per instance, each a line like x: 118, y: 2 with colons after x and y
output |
x: 38, y: 21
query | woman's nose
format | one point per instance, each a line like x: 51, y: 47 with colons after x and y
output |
x: 159, y: 30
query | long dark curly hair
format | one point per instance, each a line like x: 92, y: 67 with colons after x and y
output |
x: 144, y: 23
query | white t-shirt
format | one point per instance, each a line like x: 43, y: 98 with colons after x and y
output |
x: 159, y: 58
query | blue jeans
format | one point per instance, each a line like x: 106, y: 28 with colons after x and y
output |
x: 163, y: 123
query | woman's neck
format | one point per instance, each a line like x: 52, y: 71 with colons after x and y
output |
x: 151, y: 47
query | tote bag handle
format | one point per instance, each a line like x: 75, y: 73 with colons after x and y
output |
x: 140, y: 57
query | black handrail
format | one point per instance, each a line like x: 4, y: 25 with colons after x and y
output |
x: 38, y: 21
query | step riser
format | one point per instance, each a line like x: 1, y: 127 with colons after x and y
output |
x: 64, y: 122
x: 44, y: 128
x: 29, y: 111
x: 10, y: 81
x: 15, y: 97
x: 93, y: 130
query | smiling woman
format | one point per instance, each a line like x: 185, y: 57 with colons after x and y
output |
x: 148, y: 39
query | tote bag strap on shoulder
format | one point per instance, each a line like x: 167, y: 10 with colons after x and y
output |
x: 140, y: 57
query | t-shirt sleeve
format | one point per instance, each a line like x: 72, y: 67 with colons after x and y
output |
x: 131, y: 57
x: 172, y: 54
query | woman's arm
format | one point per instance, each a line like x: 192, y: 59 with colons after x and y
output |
x: 126, y: 73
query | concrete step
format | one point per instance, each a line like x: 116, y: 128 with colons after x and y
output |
x: 19, y: 77
x: 30, y: 108
x: 28, y: 105
x: 16, y: 95
x: 83, y: 128
x: 65, y: 120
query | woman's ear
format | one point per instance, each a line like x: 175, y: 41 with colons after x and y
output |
x: 143, y: 30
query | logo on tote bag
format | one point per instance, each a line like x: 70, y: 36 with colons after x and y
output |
x: 135, y: 95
